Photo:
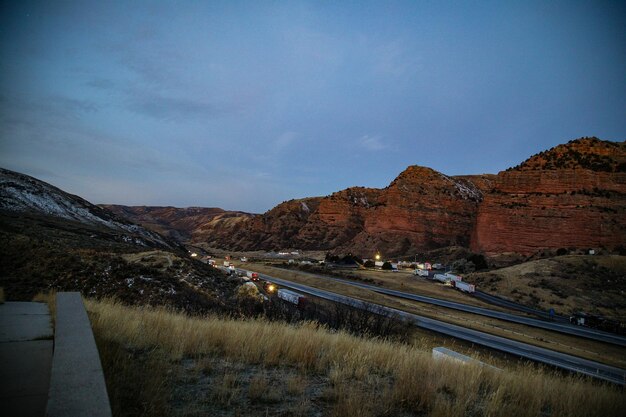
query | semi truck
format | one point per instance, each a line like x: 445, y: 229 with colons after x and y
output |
x: 254, y: 276
x: 452, y: 277
x: 420, y: 272
x: 291, y: 297
x: 441, y: 278
x: 464, y: 286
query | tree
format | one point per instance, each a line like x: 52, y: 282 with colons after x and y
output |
x: 387, y: 266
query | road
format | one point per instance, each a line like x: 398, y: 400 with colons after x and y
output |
x: 557, y: 359
x: 565, y: 328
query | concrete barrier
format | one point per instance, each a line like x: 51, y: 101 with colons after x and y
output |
x: 447, y: 354
x: 77, y: 386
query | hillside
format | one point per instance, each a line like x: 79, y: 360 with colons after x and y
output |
x: 181, y: 224
x: 569, y: 283
x: 52, y: 240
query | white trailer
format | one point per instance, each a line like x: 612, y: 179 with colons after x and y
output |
x: 441, y: 278
x: 291, y: 296
x: 420, y: 272
x: 226, y: 263
x: 465, y: 287
x: 453, y: 277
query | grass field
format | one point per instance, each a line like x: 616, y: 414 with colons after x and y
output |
x: 160, y: 362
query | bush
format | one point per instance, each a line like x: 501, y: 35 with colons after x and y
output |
x: 369, y: 264
x: 561, y: 252
x: 387, y: 266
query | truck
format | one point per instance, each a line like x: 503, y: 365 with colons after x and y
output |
x: 442, y: 278
x: 420, y: 272
x: 292, y: 297
x: 254, y: 276
x: 454, y: 278
x: 465, y: 287
x: 226, y: 263
x: 212, y: 262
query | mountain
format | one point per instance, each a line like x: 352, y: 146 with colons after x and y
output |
x: 182, y: 224
x: 52, y: 240
x: 420, y: 210
x: 24, y: 195
x: 571, y: 196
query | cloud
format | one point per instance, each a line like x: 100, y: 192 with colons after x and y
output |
x: 165, y: 108
x: 372, y: 143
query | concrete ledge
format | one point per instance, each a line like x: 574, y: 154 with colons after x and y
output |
x: 77, y: 386
x: 447, y: 354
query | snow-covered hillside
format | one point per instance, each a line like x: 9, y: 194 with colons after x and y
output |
x: 21, y: 193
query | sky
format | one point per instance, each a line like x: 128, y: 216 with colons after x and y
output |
x: 245, y: 104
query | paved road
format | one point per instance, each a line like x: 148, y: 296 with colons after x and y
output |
x: 499, y: 301
x: 25, y: 358
x: 560, y: 360
x: 566, y: 328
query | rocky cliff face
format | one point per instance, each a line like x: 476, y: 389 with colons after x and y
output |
x: 420, y: 210
x: 572, y: 196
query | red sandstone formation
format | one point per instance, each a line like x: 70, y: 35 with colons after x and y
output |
x: 571, y: 196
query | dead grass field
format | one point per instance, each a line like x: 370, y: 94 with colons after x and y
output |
x: 166, y: 363
x: 594, y: 284
x: 589, y: 349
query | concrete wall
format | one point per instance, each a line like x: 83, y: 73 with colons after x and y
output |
x: 77, y: 386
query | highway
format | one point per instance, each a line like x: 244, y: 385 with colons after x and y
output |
x: 566, y: 328
x: 499, y: 301
x: 557, y: 359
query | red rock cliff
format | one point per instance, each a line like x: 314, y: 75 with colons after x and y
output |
x: 572, y: 196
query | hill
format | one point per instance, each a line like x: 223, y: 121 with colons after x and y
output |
x: 181, y: 224
x: 52, y: 240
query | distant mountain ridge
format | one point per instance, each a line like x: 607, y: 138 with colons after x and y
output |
x: 570, y: 196
x: 182, y: 224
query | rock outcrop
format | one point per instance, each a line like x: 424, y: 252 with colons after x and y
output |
x: 572, y: 196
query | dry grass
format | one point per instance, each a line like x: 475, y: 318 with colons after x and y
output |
x: 367, y: 376
x: 49, y: 298
x: 566, y: 283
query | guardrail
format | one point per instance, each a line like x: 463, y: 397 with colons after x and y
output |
x: 77, y: 386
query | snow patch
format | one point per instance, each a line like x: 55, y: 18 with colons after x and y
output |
x: 466, y: 192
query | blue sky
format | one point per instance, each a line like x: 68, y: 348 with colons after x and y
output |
x: 242, y: 105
